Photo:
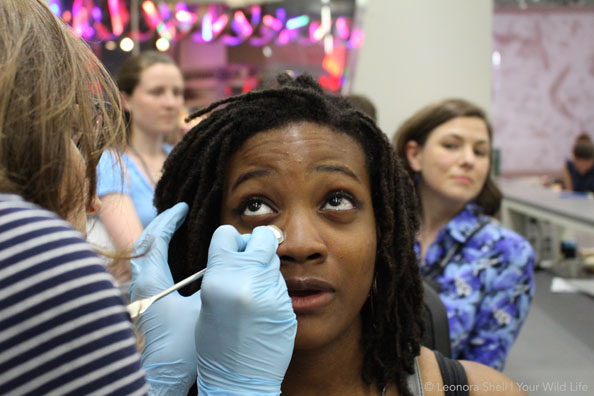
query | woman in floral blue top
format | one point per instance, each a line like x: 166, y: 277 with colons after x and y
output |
x: 482, y: 271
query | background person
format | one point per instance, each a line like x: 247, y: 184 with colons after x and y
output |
x: 364, y: 104
x: 482, y: 271
x: 325, y: 174
x: 152, y: 93
x: 578, y: 172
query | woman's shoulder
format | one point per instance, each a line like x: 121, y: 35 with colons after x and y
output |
x: 480, y: 379
x: 28, y: 231
x: 484, y: 380
x: 15, y: 212
x: 504, y: 239
x: 112, y: 171
x: 56, y: 291
x: 40, y: 249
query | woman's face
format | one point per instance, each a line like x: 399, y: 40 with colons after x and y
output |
x: 454, y: 162
x: 583, y: 165
x: 157, y: 100
x: 312, y: 183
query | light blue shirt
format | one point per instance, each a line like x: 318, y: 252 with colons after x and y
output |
x: 133, y: 184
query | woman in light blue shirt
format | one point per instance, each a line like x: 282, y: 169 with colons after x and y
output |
x: 151, y: 86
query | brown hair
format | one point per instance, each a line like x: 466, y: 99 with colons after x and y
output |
x: 364, y: 104
x: 420, y: 125
x: 52, y: 89
x: 583, y: 147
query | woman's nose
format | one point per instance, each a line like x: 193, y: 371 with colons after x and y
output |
x: 94, y: 206
x: 468, y: 157
x: 303, y: 240
x: 171, y: 99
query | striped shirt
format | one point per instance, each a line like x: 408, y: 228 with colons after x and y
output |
x: 64, y: 329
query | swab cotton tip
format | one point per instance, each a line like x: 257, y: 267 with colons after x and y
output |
x: 278, y: 233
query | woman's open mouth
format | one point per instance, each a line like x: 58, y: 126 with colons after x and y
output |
x: 308, y: 294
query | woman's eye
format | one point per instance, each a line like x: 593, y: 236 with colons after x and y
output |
x: 481, y: 152
x: 256, y: 207
x: 339, y: 201
x: 449, y: 146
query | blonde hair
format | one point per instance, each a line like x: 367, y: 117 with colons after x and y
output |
x: 52, y: 89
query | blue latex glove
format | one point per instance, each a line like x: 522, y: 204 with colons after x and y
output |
x: 168, y: 325
x: 246, y: 332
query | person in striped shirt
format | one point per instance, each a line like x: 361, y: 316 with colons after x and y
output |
x: 63, y: 326
x: 64, y: 329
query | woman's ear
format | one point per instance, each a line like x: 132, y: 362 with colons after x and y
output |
x: 125, y: 102
x: 414, y: 154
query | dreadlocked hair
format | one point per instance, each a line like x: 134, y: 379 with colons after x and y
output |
x: 195, y: 170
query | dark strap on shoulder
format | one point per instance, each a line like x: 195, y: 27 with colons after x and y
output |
x: 453, y: 375
x: 437, y: 270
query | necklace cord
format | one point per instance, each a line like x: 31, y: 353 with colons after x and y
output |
x: 144, y: 166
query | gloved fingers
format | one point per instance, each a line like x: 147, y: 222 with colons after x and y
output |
x: 150, y: 271
x: 245, y: 238
x: 226, y: 239
x: 262, y: 245
x: 168, y: 327
x: 162, y: 227
x: 172, y: 219
x: 150, y: 275
x: 194, y: 301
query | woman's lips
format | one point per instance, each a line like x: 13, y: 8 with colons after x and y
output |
x: 308, y: 294
x: 463, y: 179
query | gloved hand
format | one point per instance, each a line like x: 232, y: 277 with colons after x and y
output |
x: 246, y: 332
x: 168, y: 325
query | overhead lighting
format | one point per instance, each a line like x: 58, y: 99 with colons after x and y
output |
x: 127, y: 44
x: 230, y: 3
x: 162, y: 44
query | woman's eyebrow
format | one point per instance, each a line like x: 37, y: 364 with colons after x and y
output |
x: 461, y: 138
x: 337, y: 168
x: 453, y: 135
x: 265, y: 172
x: 250, y: 175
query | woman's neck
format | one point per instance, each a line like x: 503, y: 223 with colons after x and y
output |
x: 332, y: 370
x: 437, y: 212
x: 146, y: 144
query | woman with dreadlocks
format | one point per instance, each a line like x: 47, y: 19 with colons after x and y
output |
x: 324, y: 173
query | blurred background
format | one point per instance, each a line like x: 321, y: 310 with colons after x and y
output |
x: 530, y: 63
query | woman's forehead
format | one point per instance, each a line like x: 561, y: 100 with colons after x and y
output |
x: 298, y: 147
x: 299, y: 137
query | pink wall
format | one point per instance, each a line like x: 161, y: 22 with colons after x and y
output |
x: 543, y: 87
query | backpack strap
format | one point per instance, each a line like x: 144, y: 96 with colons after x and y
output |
x: 453, y: 375
x: 437, y: 270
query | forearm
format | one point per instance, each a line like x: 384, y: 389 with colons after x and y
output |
x: 119, y: 217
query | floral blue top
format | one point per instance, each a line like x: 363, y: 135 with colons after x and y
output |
x: 487, y: 287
